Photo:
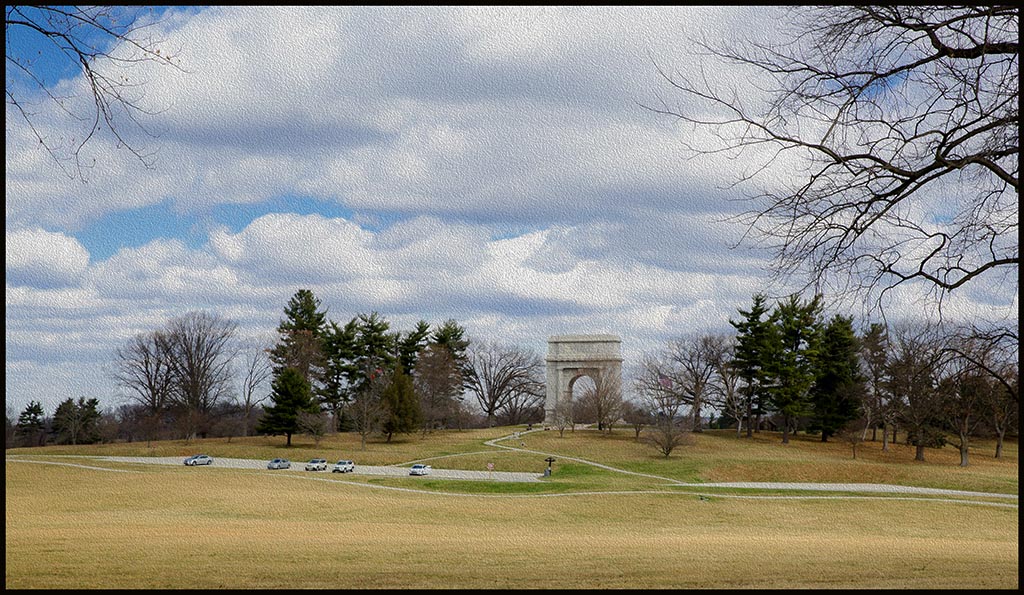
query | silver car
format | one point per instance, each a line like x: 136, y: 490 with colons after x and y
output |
x: 419, y: 469
x: 317, y: 465
x: 194, y: 460
x: 279, y: 464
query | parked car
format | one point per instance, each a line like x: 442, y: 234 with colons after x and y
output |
x: 344, y: 467
x: 419, y: 469
x: 279, y: 464
x: 316, y: 465
x: 194, y: 460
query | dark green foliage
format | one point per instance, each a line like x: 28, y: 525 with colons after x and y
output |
x: 839, y: 386
x: 301, y: 334
x: 754, y: 347
x: 303, y: 313
x: 375, y: 348
x: 291, y: 395
x: 340, y: 369
x: 77, y: 423
x: 791, y: 363
x: 31, y: 425
x: 401, y: 407
x: 411, y: 343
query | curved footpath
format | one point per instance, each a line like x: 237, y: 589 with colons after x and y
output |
x: 821, y: 487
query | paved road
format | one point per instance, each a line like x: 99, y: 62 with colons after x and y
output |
x: 299, y: 467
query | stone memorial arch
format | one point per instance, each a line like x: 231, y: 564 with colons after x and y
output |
x: 573, y: 356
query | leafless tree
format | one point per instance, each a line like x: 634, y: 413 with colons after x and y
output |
x: 658, y: 386
x: 604, y: 399
x: 902, y: 122
x: 853, y: 432
x: 314, y: 424
x: 524, y: 405
x: 102, y: 43
x: 913, y: 379
x: 437, y: 381
x: 563, y: 416
x: 258, y: 370
x: 498, y: 373
x: 199, y: 347
x: 142, y: 368
x: 666, y: 434
x: 725, y: 389
x: 1004, y: 406
x: 367, y: 409
x: 695, y: 357
x: 636, y: 415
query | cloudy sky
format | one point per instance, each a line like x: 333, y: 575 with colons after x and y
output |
x: 491, y: 165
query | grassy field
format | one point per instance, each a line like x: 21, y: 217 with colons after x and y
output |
x: 172, y: 527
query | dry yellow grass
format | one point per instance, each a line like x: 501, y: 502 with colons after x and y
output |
x: 175, y: 528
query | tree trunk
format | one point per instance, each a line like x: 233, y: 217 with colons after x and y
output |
x: 999, y: 443
x: 289, y: 439
x: 885, y: 437
x: 963, y: 451
x: 874, y: 433
x: 785, y: 429
x: 920, y: 453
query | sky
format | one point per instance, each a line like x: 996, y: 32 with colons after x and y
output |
x: 492, y: 165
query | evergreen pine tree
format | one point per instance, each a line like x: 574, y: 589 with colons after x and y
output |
x: 753, y: 352
x: 791, y: 368
x: 839, y: 384
x: 402, y: 412
x: 31, y: 424
x: 291, y: 395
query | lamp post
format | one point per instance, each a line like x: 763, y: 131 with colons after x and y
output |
x: 549, y: 460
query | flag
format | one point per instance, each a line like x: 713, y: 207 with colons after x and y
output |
x: 664, y: 381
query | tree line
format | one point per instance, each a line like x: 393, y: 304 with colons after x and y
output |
x: 195, y: 378
x: 789, y: 368
x: 786, y: 368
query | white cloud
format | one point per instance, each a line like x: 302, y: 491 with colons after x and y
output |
x: 40, y: 258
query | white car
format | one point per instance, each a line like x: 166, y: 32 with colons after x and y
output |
x: 194, y: 460
x: 317, y: 465
x: 344, y: 467
x: 279, y: 464
x: 419, y: 469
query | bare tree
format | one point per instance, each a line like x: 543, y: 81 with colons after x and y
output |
x: 658, y: 387
x: 604, y: 399
x: 199, y: 350
x: 636, y: 416
x: 563, y: 416
x: 258, y: 370
x: 102, y: 43
x: 315, y: 424
x: 913, y: 379
x: 437, y: 380
x: 695, y: 357
x: 853, y: 433
x: 367, y: 409
x: 498, y: 373
x: 903, y: 123
x: 666, y: 434
x: 725, y: 390
x: 142, y: 368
